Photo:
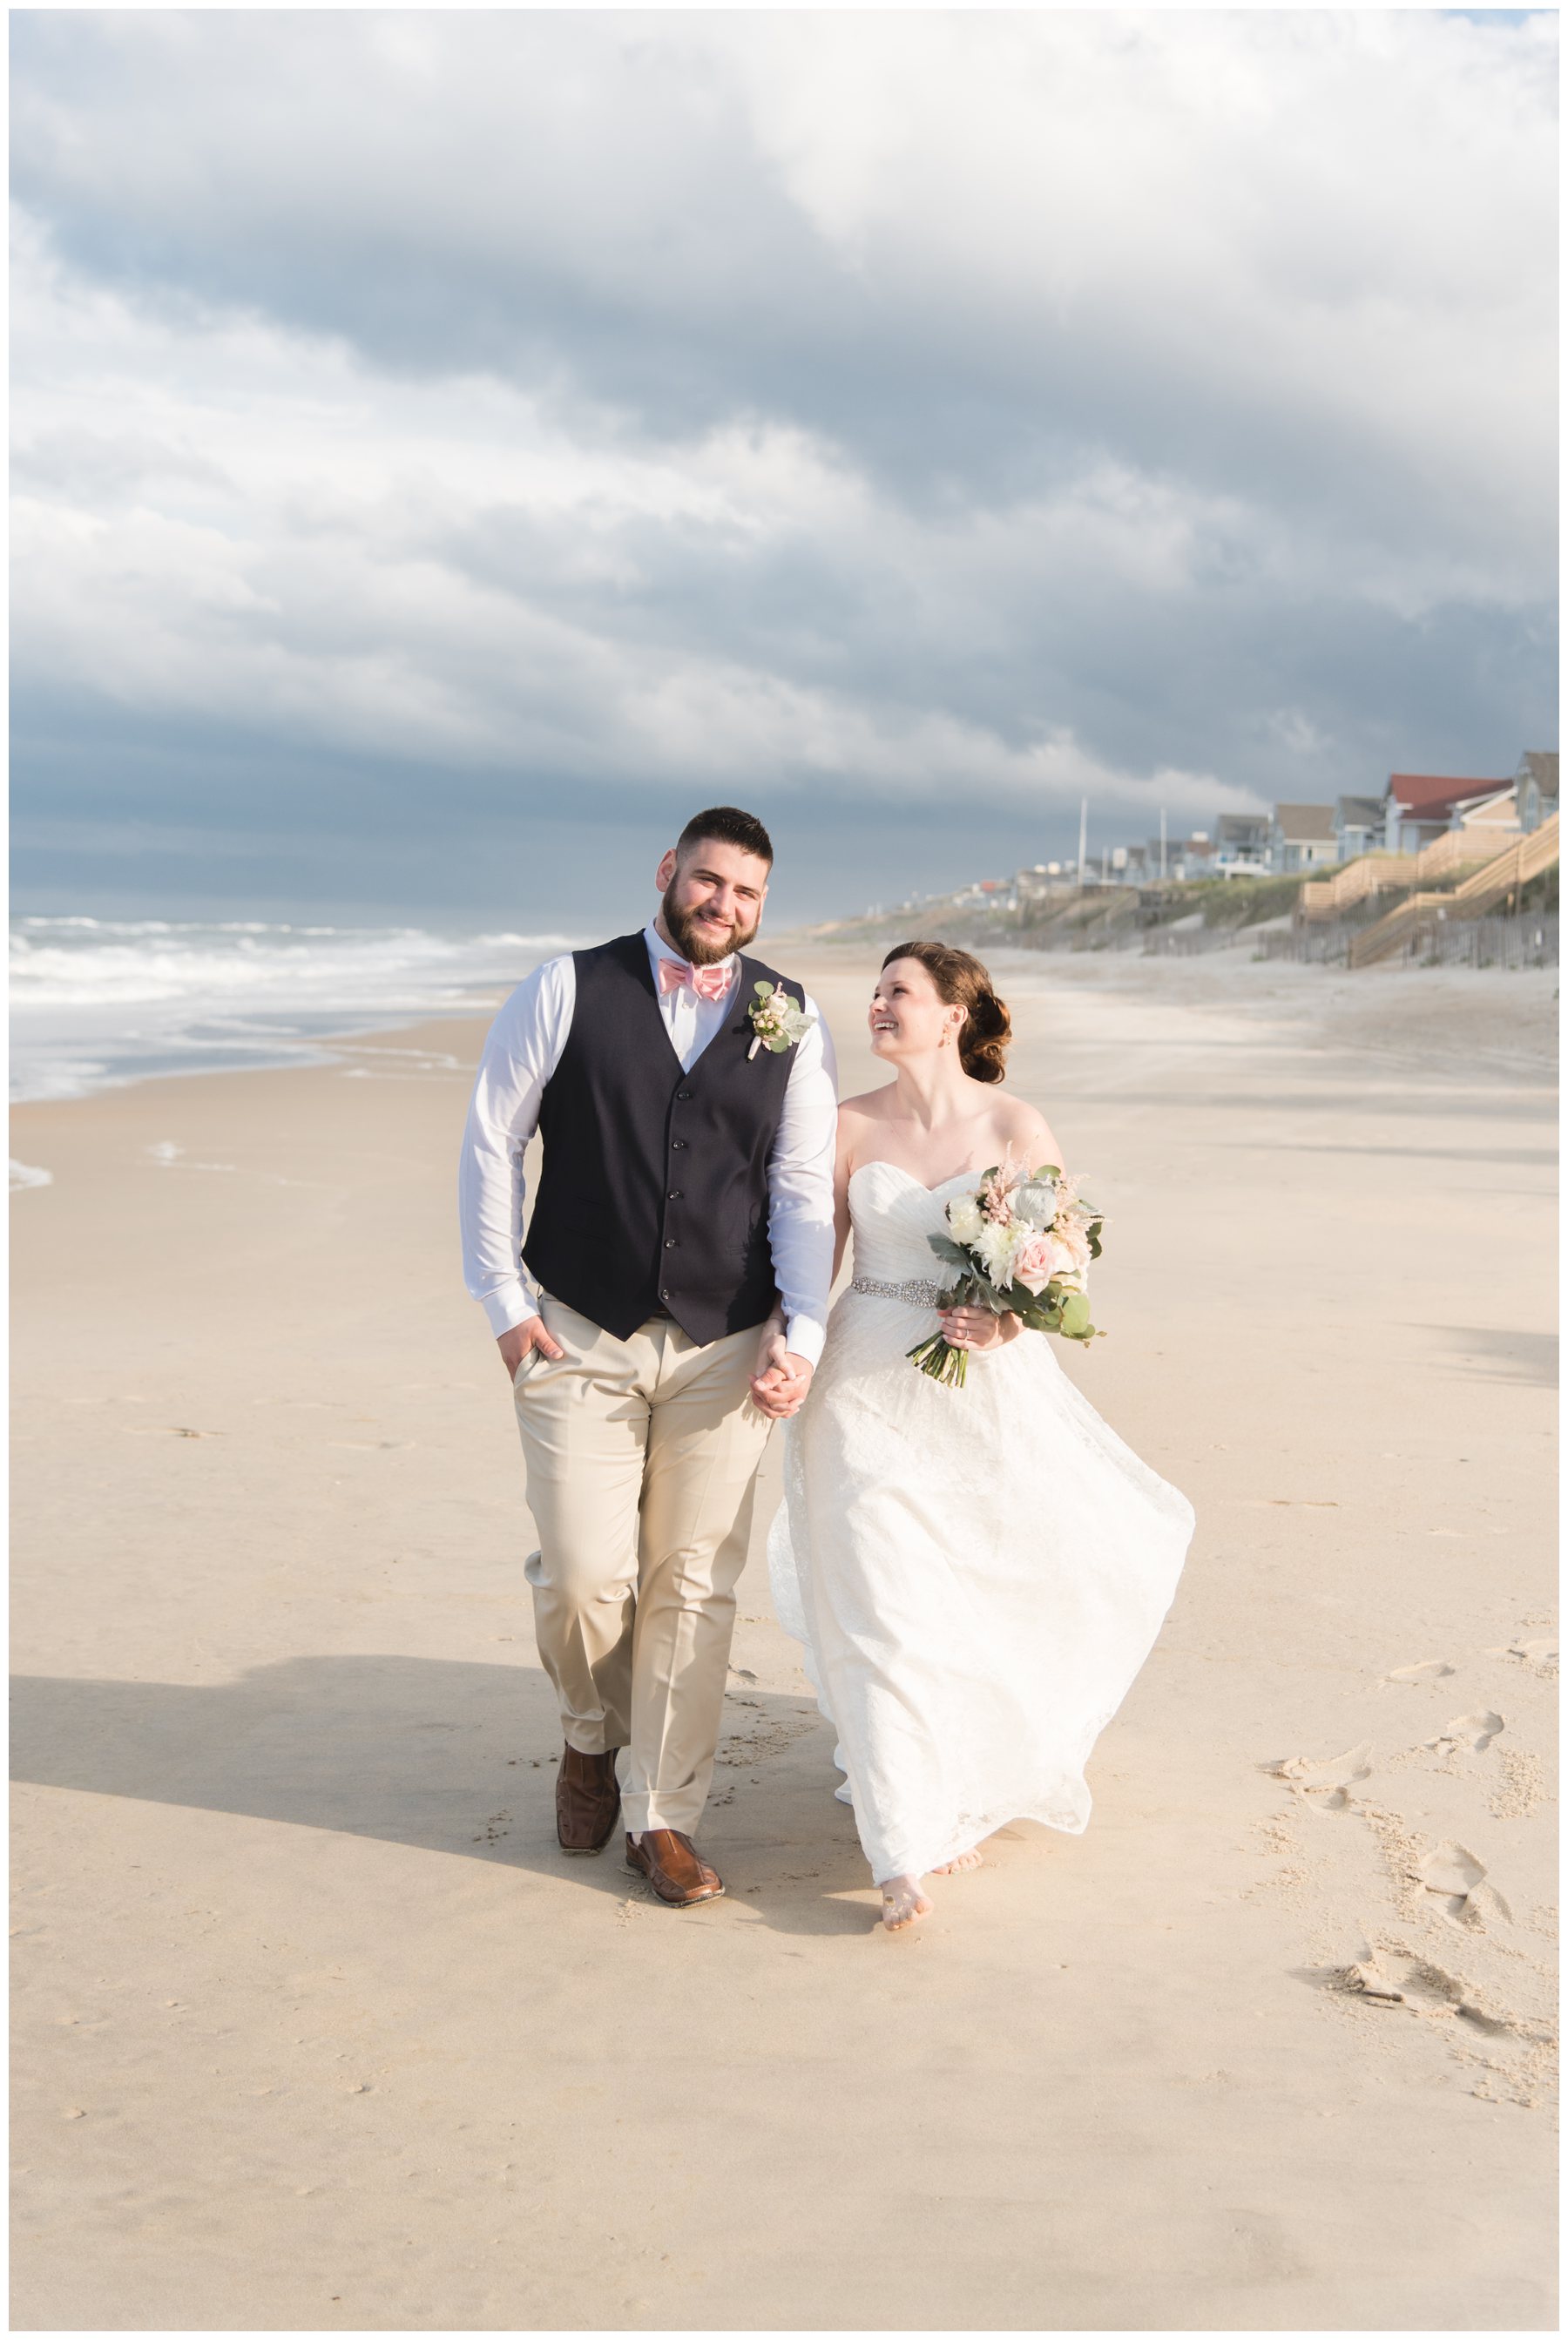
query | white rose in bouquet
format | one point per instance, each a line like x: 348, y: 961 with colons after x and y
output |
x: 965, y: 1218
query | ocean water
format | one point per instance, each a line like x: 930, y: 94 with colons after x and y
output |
x: 98, y: 1002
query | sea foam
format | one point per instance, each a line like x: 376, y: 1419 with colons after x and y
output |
x: 98, y: 1002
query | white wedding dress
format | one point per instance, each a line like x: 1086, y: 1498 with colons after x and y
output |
x: 976, y: 1574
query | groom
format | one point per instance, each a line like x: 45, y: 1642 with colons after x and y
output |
x: 685, y: 1207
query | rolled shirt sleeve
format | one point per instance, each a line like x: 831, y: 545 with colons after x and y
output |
x: 521, y: 1053
x: 800, y: 1191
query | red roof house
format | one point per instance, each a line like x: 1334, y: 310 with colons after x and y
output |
x: 1419, y: 806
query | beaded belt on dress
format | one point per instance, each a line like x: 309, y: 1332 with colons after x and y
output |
x: 918, y: 1289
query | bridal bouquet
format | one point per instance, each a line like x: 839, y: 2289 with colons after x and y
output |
x: 1022, y: 1242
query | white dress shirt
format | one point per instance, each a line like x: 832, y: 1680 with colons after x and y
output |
x: 522, y: 1051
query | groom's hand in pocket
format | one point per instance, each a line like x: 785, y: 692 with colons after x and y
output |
x: 522, y: 1340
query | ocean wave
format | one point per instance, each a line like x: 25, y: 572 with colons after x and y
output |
x: 97, y: 1002
x: 77, y: 961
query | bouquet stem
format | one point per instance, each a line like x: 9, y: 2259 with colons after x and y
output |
x: 938, y: 1358
x: 936, y: 1355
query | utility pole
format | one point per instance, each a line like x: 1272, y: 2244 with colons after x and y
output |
x: 1083, y: 837
x: 1162, y: 844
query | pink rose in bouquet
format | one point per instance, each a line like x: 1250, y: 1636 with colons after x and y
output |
x: 1036, y: 1259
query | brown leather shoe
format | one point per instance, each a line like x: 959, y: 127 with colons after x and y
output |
x: 674, y: 1867
x: 587, y: 1801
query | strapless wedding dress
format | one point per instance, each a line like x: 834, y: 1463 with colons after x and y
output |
x: 976, y: 1574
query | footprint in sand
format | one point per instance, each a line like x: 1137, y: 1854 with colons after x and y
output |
x: 1540, y: 1656
x: 1395, y: 1979
x: 1430, y: 1669
x: 1323, y: 1784
x: 1458, y: 1881
x: 1475, y: 1731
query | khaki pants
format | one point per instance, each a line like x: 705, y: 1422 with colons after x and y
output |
x: 642, y: 1458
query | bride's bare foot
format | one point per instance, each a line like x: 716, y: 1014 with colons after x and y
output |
x: 902, y: 1903
x: 973, y: 1860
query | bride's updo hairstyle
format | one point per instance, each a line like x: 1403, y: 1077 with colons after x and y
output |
x: 962, y: 982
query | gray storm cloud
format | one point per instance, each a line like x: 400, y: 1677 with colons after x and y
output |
x: 855, y: 408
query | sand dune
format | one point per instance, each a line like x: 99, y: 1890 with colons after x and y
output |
x: 318, y: 2030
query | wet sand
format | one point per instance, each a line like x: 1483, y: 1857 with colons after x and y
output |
x: 317, y: 2028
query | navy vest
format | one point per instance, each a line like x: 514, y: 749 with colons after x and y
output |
x: 653, y: 1194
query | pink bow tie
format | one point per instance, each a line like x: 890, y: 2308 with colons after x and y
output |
x: 707, y: 982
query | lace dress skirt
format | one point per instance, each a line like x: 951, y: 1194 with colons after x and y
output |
x: 976, y: 1576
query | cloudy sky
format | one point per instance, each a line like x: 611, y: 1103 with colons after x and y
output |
x: 450, y: 446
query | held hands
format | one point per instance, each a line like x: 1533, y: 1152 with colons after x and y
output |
x: 977, y: 1330
x: 522, y: 1340
x: 782, y: 1380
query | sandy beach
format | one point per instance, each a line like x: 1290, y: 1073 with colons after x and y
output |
x: 317, y: 2028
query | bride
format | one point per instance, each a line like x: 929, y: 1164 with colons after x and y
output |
x: 976, y: 1574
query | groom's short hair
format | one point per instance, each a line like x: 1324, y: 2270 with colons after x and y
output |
x: 727, y: 825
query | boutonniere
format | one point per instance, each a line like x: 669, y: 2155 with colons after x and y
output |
x: 777, y: 1020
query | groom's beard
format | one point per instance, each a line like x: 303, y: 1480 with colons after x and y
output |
x: 700, y: 940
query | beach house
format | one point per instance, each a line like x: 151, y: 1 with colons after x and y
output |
x: 1491, y: 819
x: 1419, y: 807
x: 1192, y: 856
x: 1358, y: 825
x: 1535, y: 788
x: 1241, y: 844
x: 1300, y: 836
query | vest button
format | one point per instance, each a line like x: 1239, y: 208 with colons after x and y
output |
x: 664, y: 1294
x: 669, y: 1243
x: 673, y: 1195
x: 682, y: 1095
x: 678, y: 1144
